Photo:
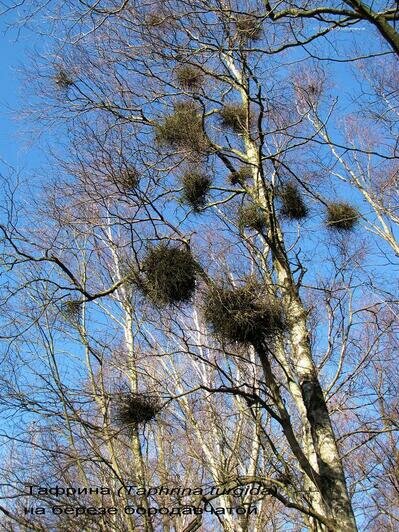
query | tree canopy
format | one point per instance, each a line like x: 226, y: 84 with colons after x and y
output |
x: 199, y: 289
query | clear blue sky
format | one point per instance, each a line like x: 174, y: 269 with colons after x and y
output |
x: 13, y: 54
x: 13, y: 147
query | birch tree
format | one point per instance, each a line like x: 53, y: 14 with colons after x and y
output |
x: 197, y: 139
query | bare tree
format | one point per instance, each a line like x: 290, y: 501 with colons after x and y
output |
x: 180, y: 110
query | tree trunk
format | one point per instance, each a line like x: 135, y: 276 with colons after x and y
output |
x: 331, y: 481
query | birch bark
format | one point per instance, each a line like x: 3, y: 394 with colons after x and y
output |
x: 319, y: 442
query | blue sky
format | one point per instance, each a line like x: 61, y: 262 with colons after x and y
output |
x: 11, y: 53
x: 14, y: 47
x: 14, y: 149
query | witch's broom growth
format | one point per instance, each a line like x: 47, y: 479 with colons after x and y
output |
x: 342, y: 216
x: 130, y: 409
x: 189, y: 77
x: 169, y: 274
x: 182, y: 129
x: 62, y: 79
x: 196, y: 186
x: 71, y: 311
x: 292, y: 204
x: 234, y: 117
x: 240, y: 176
x: 127, y: 179
x: 248, y: 27
x: 251, y: 216
x: 242, y: 314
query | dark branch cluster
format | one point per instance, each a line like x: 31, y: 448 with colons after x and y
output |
x: 154, y: 20
x: 130, y: 409
x: 240, y: 176
x: 233, y: 116
x: 127, y: 179
x: 342, y: 216
x: 182, y: 129
x: 251, y: 216
x: 243, y: 314
x: 71, y: 310
x: 248, y: 27
x: 189, y: 77
x: 195, y: 189
x: 292, y: 204
x: 170, y: 274
x: 62, y: 79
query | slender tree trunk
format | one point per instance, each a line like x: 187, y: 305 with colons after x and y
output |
x: 332, y: 479
x: 138, y: 460
x: 332, y: 484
